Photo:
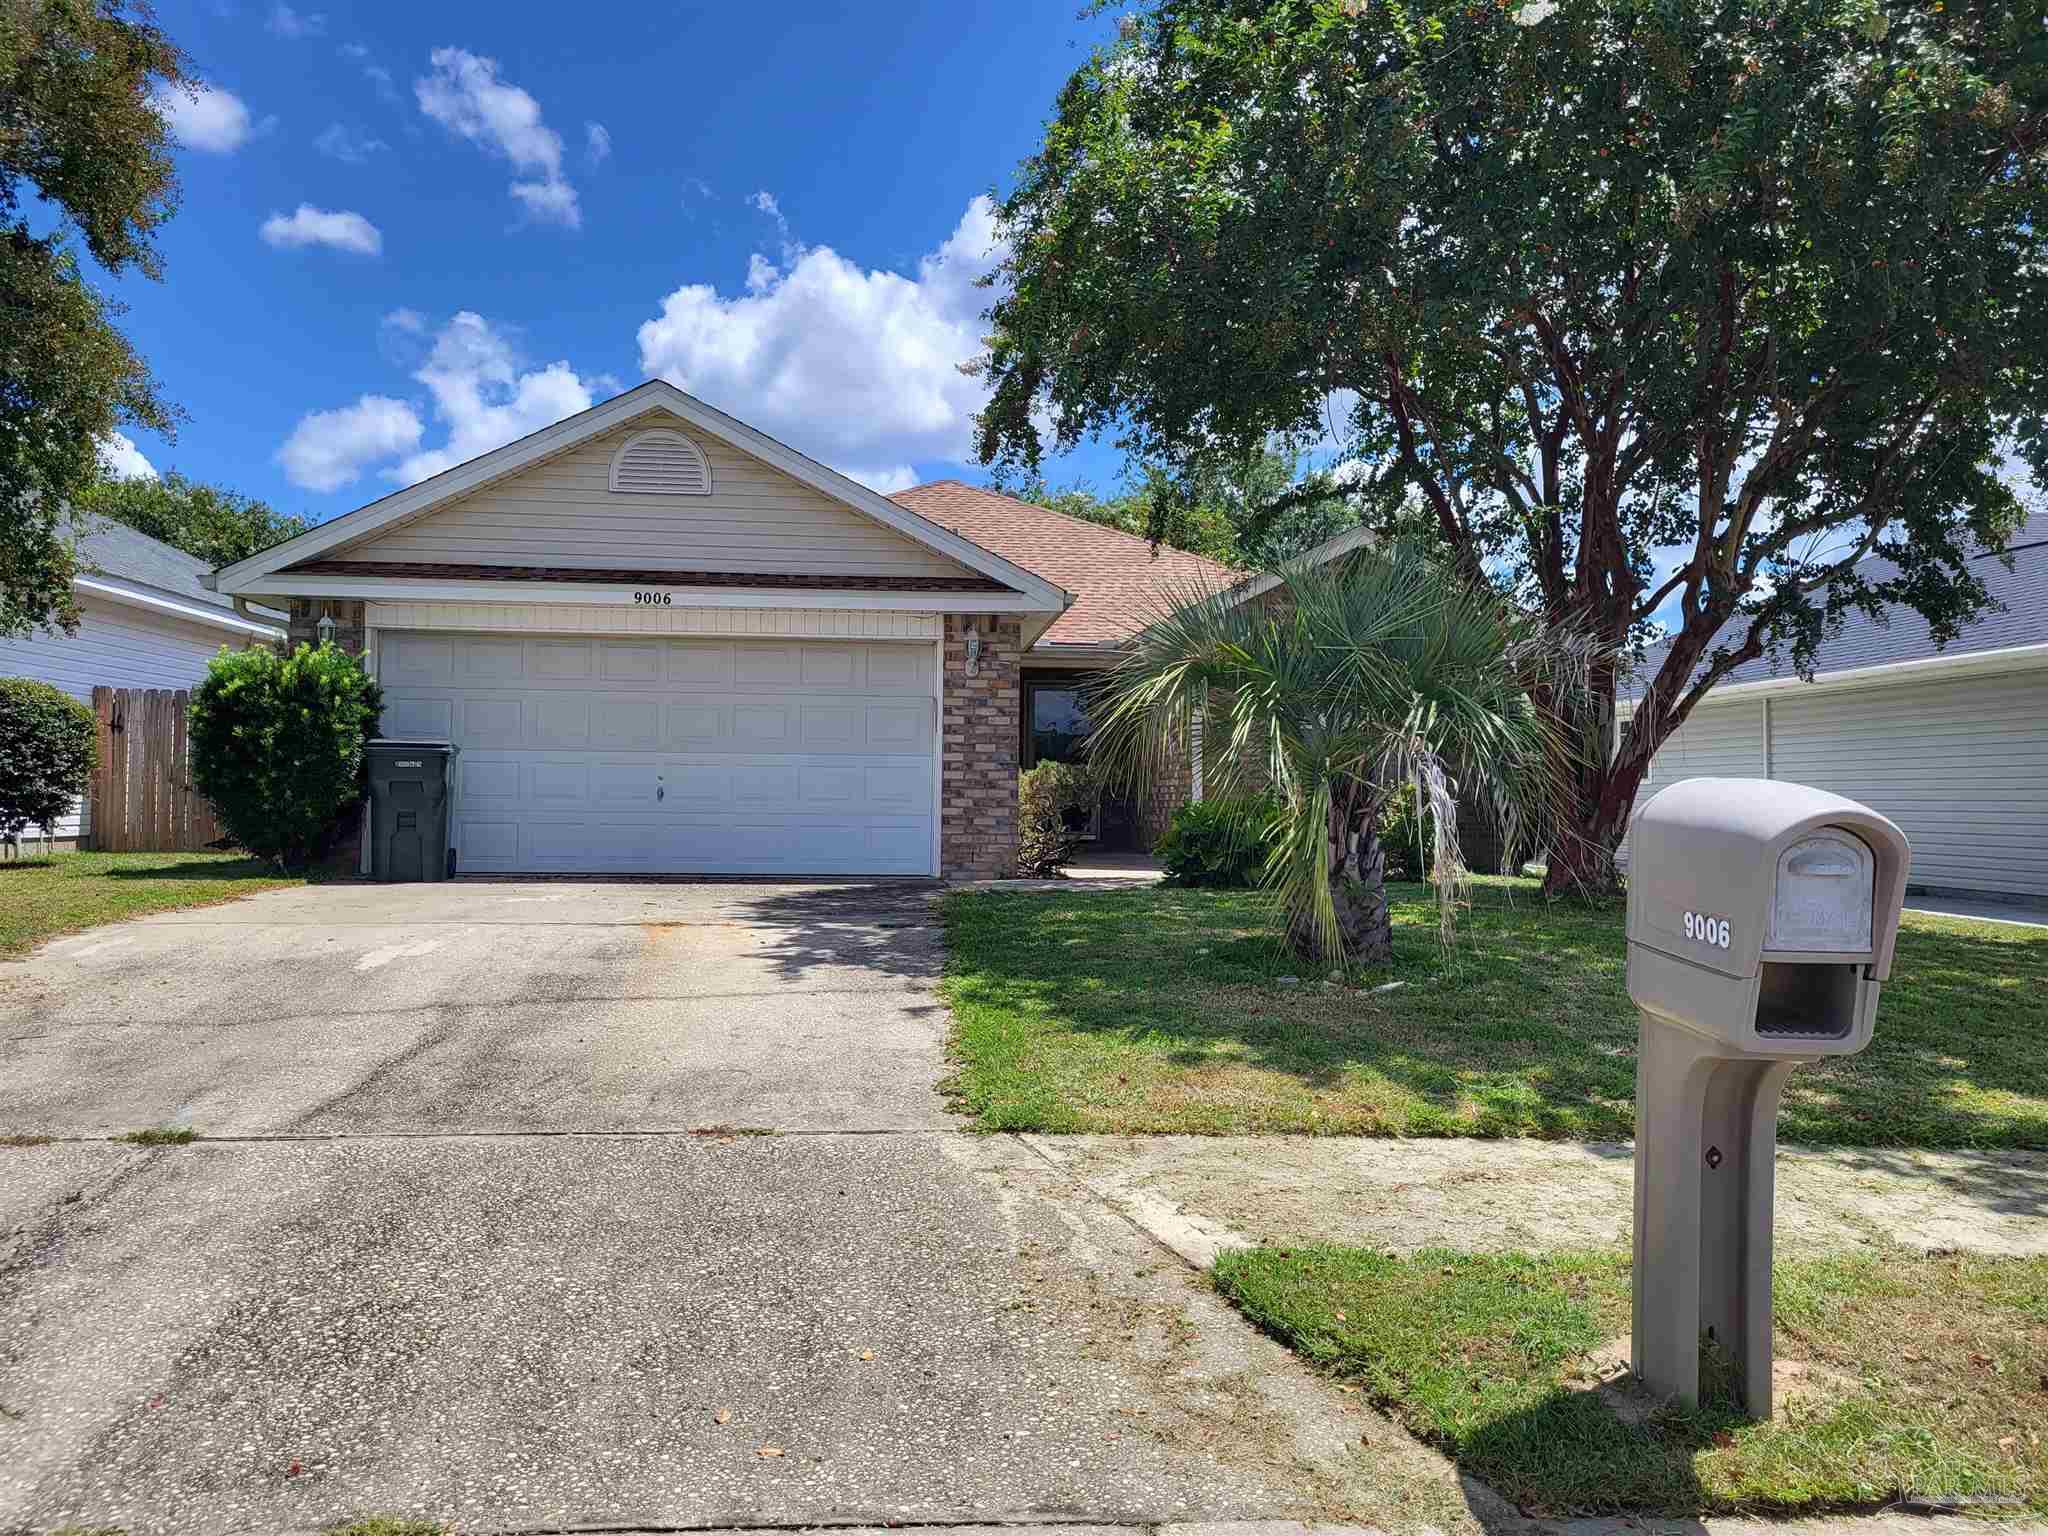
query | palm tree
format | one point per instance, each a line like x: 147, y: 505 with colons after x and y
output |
x: 1347, y: 681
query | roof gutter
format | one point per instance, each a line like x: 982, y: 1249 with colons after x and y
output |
x: 191, y: 613
x: 2009, y: 658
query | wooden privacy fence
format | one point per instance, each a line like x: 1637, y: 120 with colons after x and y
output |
x: 142, y: 799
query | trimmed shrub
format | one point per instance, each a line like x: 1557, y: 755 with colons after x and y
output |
x: 1218, y: 842
x: 47, y: 740
x: 1055, y: 803
x: 277, y: 745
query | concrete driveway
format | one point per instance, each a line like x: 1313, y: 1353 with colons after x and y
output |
x: 477, y: 1231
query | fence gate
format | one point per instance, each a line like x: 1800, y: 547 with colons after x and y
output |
x: 142, y: 800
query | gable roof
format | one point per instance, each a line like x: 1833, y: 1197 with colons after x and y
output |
x: 654, y: 397
x: 1904, y: 636
x: 1120, y: 583
x: 126, y: 564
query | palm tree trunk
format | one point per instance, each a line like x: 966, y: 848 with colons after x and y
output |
x: 1358, y: 894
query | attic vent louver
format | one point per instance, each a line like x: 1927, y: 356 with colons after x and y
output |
x: 660, y: 463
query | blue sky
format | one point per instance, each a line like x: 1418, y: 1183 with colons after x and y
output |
x: 411, y: 233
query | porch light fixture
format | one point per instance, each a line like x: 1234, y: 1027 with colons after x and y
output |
x: 326, y: 628
x: 973, y: 651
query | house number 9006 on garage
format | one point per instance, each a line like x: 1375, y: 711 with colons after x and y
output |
x: 653, y: 599
x: 1708, y: 930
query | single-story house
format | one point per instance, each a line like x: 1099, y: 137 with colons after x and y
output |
x: 147, y: 621
x: 1951, y: 744
x: 663, y: 642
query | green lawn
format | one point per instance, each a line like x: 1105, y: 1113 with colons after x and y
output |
x: 1161, y: 1010
x: 1928, y: 1376
x: 41, y: 898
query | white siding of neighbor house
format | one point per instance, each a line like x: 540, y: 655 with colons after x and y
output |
x: 564, y: 513
x: 116, y: 647
x: 1960, y: 764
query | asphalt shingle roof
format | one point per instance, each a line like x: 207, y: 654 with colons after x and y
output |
x: 116, y: 550
x: 1865, y: 642
x: 1120, y: 584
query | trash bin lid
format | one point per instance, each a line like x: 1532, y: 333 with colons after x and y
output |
x: 395, y: 744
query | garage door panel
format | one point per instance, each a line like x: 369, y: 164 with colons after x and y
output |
x: 419, y: 719
x: 490, y: 661
x: 620, y: 661
x: 622, y: 721
x: 559, y: 661
x: 699, y: 664
x: 677, y: 755
x: 766, y: 666
x: 490, y: 720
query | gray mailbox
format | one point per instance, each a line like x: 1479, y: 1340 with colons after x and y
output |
x: 1761, y: 918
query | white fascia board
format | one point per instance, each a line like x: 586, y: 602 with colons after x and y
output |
x: 384, y: 589
x: 654, y: 396
x: 110, y: 590
x: 1073, y: 656
x: 1330, y: 549
x: 2011, y: 658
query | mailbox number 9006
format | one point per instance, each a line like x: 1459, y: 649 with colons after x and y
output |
x: 1707, y: 930
x: 653, y: 599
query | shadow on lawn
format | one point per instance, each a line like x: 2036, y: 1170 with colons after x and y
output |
x: 224, y: 869
x: 1523, y: 1027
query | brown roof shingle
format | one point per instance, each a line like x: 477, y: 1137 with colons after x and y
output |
x: 1119, y: 584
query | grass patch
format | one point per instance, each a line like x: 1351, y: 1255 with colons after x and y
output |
x: 1161, y: 1010
x: 23, y: 1139
x: 388, y: 1525
x: 1937, y: 1373
x: 42, y: 898
x: 161, y: 1136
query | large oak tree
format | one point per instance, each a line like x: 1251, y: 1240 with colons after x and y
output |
x: 1649, y: 307
x: 84, y: 162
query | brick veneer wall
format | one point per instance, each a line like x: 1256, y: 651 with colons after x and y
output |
x: 1171, y: 786
x: 978, y: 774
x: 304, y: 623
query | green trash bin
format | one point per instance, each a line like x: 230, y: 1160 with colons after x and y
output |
x: 409, y: 810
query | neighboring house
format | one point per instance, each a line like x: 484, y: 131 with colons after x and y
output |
x: 1950, y: 744
x: 147, y: 621
x: 664, y: 642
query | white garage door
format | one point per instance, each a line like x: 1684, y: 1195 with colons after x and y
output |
x: 675, y: 756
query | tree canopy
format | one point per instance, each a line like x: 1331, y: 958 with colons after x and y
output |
x: 78, y: 128
x: 1651, y: 307
x: 218, y: 525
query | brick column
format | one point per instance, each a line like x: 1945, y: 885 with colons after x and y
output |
x: 983, y: 725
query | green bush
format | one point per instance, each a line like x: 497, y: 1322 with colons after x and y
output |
x: 277, y: 745
x: 1055, y: 803
x: 46, y: 748
x: 1218, y: 842
x: 1406, y: 837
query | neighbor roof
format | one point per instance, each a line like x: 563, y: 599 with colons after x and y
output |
x: 114, y: 549
x: 1905, y: 636
x: 1119, y: 581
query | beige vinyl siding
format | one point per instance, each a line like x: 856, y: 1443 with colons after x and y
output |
x: 563, y: 513
x: 1717, y: 741
x: 116, y: 647
x: 1961, y: 766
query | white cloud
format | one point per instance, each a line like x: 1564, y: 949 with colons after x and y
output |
x: 403, y: 319
x: 486, y: 398
x: 205, y: 117
x: 380, y: 77
x: 328, y: 449
x: 340, y: 230
x: 597, y: 143
x: 894, y: 478
x: 286, y: 22
x: 347, y: 146
x: 465, y: 96
x: 354, y: 51
x: 120, y: 459
x: 856, y: 366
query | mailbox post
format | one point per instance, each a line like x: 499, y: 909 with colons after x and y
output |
x: 1761, y: 919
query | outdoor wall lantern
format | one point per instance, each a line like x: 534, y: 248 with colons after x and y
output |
x: 326, y: 628
x: 973, y: 651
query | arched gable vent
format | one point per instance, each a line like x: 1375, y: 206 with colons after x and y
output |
x: 660, y: 463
